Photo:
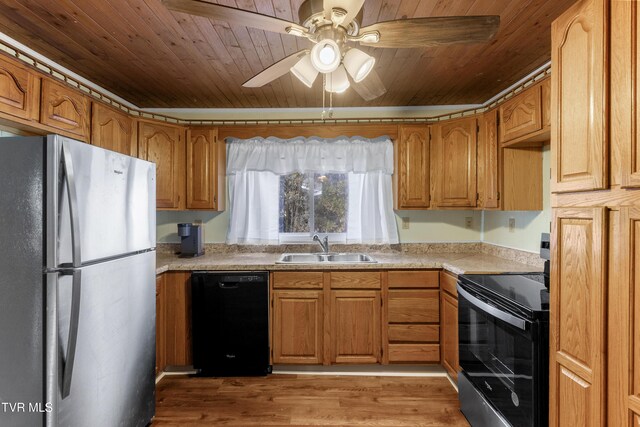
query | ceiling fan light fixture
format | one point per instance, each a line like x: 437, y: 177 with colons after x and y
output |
x: 358, y: 64
x: 337, y: 81
x: 305, y: 71
x: 325, y: 56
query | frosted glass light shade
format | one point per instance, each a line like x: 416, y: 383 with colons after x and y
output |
x: 358, y: 64
x: 305, y: 71
x: 338, y: 81
x: 325, y: 56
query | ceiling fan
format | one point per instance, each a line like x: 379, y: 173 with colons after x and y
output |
x: 335, y: 24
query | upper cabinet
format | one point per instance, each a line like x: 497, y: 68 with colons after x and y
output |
x: 164, y: 146
x: 205, y: 170
x: 64, y: 110
x: 19, y: 91
x: 579, y: 146
x: 113, y: 130
x: 453, y: 154
x: 412, y: 172
x: 488, y: 161
x: 521, y: 115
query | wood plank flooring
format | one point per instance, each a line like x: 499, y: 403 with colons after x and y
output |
x: 307, y: 400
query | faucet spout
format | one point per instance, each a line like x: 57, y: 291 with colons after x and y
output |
x: 324, y: 243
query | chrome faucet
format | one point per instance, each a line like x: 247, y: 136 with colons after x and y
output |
x: 324, y: 243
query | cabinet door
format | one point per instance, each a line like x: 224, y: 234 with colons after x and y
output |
x: 454, y: 174
x: 113, y: 130
x: 488, y: 162
x: 202, y: 165
x: 545, y: 87
x: 449, y: 335
x: 579, y: 98
x: 521, y: 115
x: 161, y: 331
x: 355, y: 326
x: 297, y: 326
x: 164, y: 146
x: 578, y: 317
x: 19, y: 90
x: 65, y: 110
x: 177, y: 312
x: 625, y: 94
x: 413, y: 168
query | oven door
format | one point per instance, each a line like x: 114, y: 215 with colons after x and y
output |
x: 497, y: 352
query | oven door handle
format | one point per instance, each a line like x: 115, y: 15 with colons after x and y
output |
x: 494, y: 311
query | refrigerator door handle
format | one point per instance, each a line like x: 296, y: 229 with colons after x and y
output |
x: 52, y: 348
x: 74, y: 320
x: 70, y: 179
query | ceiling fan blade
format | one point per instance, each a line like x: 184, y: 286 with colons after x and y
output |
x: 371, y: 87
x: 233, y: 15
x: 276, y: 70
x: 433, y: 31
x: 351, y: 6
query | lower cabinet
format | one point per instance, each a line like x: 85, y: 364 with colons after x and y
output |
x: 411, y: 317
x: 298, y: 317
x: 449, y: 324
x: 173, y: 320
x: 355, y: 326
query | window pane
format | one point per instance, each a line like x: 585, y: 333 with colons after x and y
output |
x: 330, y: 203
x: 294, y: 204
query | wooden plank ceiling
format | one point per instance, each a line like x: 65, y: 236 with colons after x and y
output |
x: 157, y: 58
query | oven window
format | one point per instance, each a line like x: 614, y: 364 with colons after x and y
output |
x: 498, y: 358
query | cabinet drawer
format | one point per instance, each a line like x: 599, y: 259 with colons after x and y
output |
x: 297, y: 280
x: 414, y: 352
x: 414, y: 333
x: 355, y: 280
x: 413, y: 279
x: 414, y: 306
x: 448, y: 283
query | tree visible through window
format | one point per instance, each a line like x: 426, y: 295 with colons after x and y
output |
x: 313, y: 203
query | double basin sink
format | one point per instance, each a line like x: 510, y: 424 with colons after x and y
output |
x: 330, y: 258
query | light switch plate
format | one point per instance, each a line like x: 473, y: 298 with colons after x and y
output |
x: 468, y: 221
x: 405, y: 223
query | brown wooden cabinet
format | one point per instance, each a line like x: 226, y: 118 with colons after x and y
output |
x: 355, y: 326
x: 521, y: 115
x: 164, y: 145
x: 412, y: 172
x: 579, y: 52
x: 19, y: 91
x: 411, y: 317
x: 113, y: 130
x: 297, y: 326
x: 161, y: 344
x: 545, y: 87
x: 449, y: 324
x: 205, y: 170
x: 522, y: 177
x: 64, y: 110
x: 453, y: 163
x: 488, y: 161
x: 578, y: 317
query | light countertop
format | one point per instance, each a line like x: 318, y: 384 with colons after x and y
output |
x: 457, y: 263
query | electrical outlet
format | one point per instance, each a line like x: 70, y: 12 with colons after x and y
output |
x: 405, y: 222
x: 468, y: 221
x: 512, y: 225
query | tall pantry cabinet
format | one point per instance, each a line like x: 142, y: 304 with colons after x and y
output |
x: 595, y: 184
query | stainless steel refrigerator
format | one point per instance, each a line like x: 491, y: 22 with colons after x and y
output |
x: 77, y: 285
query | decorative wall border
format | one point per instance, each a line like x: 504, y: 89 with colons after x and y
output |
x: 507, y: 94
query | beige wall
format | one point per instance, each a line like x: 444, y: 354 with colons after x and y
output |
x: 529, y: 225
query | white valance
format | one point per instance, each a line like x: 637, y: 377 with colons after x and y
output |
x: 285, y: 156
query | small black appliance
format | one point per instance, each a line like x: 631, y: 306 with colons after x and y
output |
x: 191, y: 240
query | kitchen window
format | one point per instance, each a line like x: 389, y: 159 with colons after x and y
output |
x: 283, y: 191
x: 313, y: 203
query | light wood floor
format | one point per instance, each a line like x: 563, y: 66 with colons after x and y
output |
x: 307, y: 400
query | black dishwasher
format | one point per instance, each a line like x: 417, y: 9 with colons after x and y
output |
x: 230, y: 323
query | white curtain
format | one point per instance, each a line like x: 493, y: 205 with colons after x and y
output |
x: 254, y: 168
